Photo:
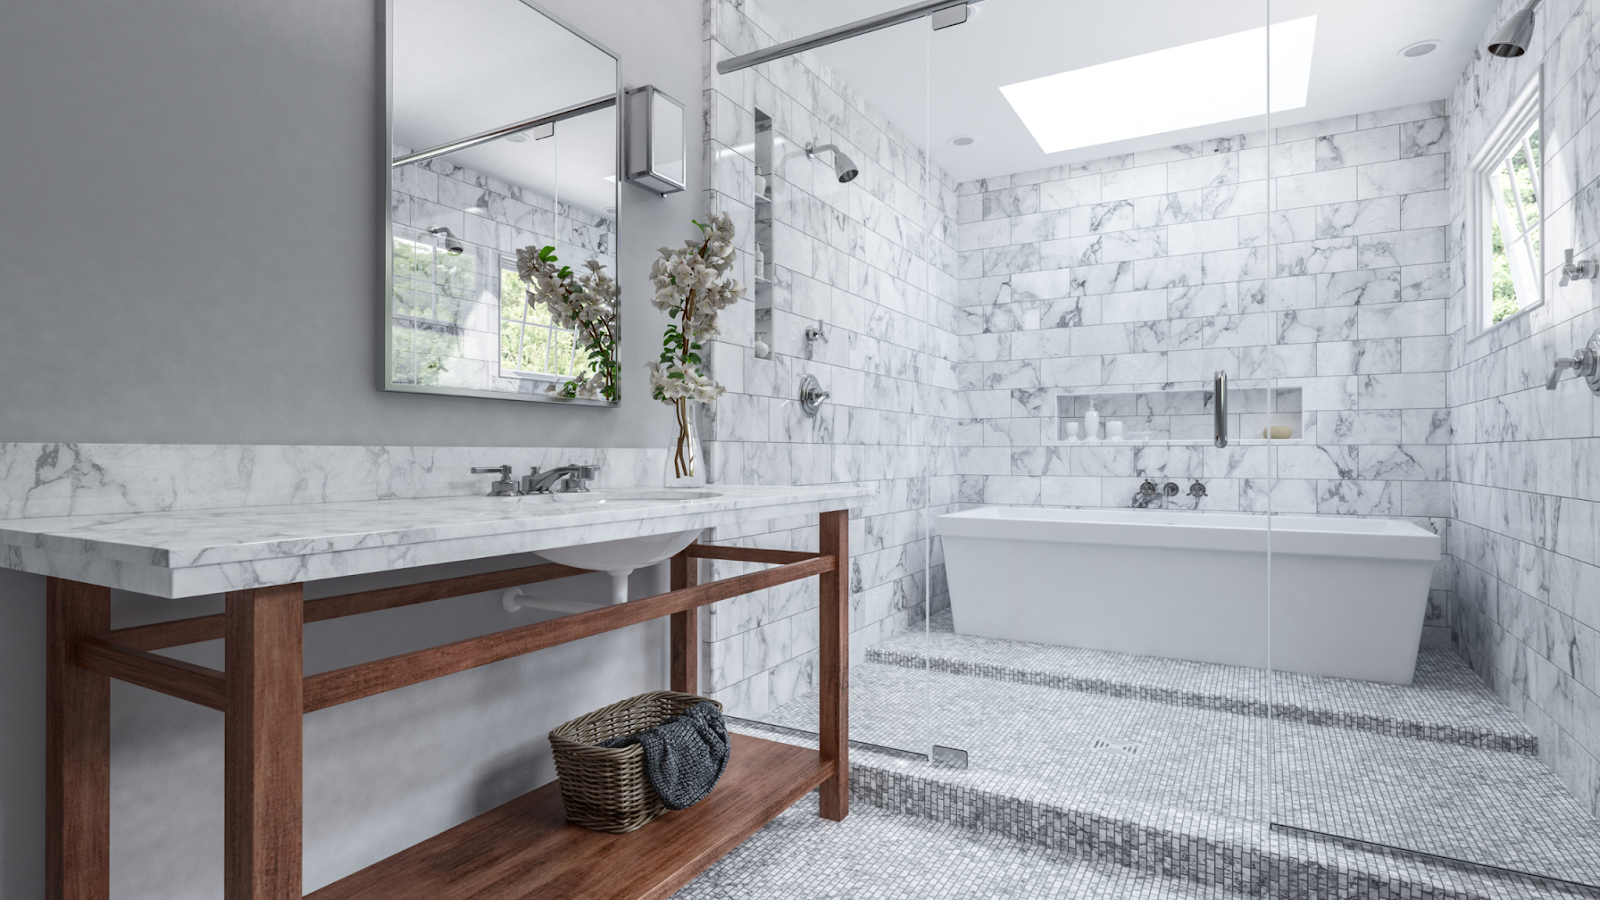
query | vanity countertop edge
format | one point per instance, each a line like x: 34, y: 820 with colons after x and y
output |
x: 183, y: 553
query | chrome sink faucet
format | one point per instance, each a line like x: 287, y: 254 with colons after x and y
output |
x: 566, y: 479
x: 570, y: 479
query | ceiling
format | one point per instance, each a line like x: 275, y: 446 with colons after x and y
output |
x: 461, y: 67
x: 938, y: 85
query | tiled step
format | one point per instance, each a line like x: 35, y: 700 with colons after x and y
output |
x: 1248, y: 859
x: 1218, y: 855
x: 1446, y: 704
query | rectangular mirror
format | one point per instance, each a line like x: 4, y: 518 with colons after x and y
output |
x: 504, y: 128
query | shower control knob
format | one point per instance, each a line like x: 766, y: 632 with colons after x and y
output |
x: 1197, y: 490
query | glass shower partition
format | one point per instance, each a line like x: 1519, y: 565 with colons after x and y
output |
x: 833, y: 207
x: 1396, y: 600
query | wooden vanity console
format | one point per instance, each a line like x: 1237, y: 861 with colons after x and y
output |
x: 522, y: 849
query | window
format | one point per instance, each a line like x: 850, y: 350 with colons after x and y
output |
x: 530, y: 343
x: 1507, y: 204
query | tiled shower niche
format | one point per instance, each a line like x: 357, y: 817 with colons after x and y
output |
x: 1181, y: 416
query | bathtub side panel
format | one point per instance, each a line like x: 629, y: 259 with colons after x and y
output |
x: 1348, y: 617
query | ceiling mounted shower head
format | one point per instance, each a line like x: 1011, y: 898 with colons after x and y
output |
x: 451, y: 245
x: 1516, y: 35
x: 843, y: 166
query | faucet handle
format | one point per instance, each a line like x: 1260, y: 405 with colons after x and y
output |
x: 505, y: 487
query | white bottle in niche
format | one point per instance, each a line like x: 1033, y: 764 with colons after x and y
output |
x: 1091, y: 423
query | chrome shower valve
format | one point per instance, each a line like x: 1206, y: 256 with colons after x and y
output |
x: 1584, y: 362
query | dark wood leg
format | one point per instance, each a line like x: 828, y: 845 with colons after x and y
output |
x: 77, y: 746
x: 834, y: 661
x: 261, y: 841
x: 685, y: 629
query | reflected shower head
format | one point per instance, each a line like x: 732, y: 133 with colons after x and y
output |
x: 843, y: 166
x: 451, y: 245
x: 1514, y: 37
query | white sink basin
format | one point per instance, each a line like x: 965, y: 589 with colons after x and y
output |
x: 616, y: 558
x: 624, y: 555
x: 626, y: 496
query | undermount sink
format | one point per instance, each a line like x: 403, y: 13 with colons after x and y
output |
x: 616, y: 558
x: 639, y: 496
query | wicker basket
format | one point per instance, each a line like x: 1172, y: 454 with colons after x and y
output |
x: 605, y: 788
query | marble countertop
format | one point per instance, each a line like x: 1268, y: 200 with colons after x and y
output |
x: 206, y: 551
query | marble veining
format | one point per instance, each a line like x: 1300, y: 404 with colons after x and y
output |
x: 186, y: 553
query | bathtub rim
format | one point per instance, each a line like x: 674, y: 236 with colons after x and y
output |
x: 1225, y: 531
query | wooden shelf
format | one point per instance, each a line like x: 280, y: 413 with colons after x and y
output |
x: 525, y: 849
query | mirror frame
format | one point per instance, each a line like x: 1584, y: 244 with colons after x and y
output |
x: 386, y: 376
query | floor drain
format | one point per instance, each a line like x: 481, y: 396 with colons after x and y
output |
x: 1114, y: 747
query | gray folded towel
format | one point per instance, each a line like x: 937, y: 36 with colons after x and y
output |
x: 685, y: 756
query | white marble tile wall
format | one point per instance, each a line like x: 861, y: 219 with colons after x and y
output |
x: 875, y: 261
x: 1525, y: 462
x: 65, y: 479
x: 1149, y: 272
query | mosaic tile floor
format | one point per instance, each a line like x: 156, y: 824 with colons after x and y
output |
x: 1177, y: 788
x: 878, y: 855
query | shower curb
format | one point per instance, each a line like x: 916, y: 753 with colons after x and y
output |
x: 1526, y: 745
x: 1233, y: 864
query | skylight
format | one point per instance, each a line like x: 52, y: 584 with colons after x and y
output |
x: 1204, y: 83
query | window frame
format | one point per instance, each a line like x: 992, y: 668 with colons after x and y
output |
x: 1525, y: 113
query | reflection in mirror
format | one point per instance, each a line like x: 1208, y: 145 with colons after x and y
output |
x: 504, y: 132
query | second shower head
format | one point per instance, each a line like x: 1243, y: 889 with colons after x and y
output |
x: 843, y: 166
x: 452, y: 246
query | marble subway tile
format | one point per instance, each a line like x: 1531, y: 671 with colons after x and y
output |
x: 1318, y: 189
x: 1354, y: 148
x: 1406, y: 176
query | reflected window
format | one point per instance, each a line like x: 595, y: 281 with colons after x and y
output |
x: 530, y: 342
x: 433, y: 297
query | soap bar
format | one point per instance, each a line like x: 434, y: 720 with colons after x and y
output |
x: 1277, y: 433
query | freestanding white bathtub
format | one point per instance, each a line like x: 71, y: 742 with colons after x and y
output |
x: 1347, y: 595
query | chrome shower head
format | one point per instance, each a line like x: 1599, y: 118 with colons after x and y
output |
x: 843, y: 166
x: 1515, y: 36
x: 451, y: 245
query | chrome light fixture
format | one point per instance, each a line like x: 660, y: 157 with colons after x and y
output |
x: 843, y: 166
x: 657, y: 141
x: 1514, y: 37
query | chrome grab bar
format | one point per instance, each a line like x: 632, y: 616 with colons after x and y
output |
x: 1220, y: 410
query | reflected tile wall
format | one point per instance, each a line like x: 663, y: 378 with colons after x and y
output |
x: 1525, y: 476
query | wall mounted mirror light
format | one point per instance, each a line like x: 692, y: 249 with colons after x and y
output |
x: 658, y: 148
x: 497, y: 150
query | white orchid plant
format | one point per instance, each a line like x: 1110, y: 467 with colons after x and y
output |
x: 692, y: 287
x: 586, y: 304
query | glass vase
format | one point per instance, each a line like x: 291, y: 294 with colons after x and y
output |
x: 686, y: 464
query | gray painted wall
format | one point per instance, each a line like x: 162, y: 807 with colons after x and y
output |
x: 190, y: 253
x: 192, y: 246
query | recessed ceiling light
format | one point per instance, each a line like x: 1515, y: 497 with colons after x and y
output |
x: 963, y: 140
x: 1420, y: 48
x: 517, y: 138
x: 1204, y: 83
